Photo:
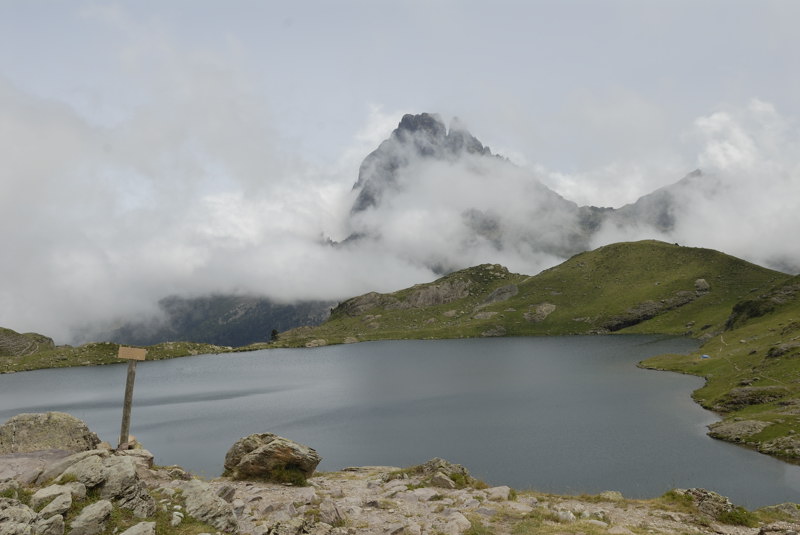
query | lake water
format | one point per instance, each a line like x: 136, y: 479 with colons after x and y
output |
x: 556, y: 414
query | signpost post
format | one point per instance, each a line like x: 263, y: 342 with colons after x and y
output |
x: 132, y: 354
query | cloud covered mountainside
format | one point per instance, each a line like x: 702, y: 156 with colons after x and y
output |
x: 428, y: 201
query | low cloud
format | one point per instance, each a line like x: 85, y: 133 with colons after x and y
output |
x: 746, y: 204
x: 193, y: 192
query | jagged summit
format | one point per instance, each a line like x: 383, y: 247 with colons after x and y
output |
x: 417, y: 136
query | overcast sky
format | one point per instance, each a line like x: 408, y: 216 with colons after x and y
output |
x: 159, y: 147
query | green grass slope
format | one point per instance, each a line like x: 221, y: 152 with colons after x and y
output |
x: 752, y: 372
x: 639, y: 287
x: 98, y: 353
x: 13, y: 344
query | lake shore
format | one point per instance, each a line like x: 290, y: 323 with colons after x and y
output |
x: 370, y: 499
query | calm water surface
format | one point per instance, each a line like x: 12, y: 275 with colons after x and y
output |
x: 557, y: 414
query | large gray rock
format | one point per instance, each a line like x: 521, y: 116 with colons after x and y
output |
x: 116, y: 478
x: 56, y: 467
x: 90, y: 471
x: 46, y: 495
x: 53, y: 525
x: 708, y: 502
x: 203, y: 504
x: 122, y: 483
x: 269, y: 456
x: 58, y: 506
x: 44, y: 431
x: 142, y: 528
x: 92, y: 520
x: 16, y: 517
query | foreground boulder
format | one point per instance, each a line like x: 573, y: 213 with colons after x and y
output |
x: 271, y: 457
x: 44, y: 431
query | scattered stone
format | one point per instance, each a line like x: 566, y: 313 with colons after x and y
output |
x: 58, y: 506
x: 442, y: 481
x: 29, y: 432
x: 142, y: 528
x: 619, y: 530
x: 176, y: 519
x: 611, y: 495
x: 457, y: 524
x: 565, y: 517
x: 92, y: 519
x: 498, y: 493
x: 330, y: 513
x: 701, y: 286
x: 53, y: 525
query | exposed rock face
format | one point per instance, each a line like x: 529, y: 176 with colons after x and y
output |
x: 434, y: 294
x: 417, y: 136
x: 539, y: 312
x: 422, y: 296
x: 504, y: 293
x: 737, y: 431
x: 265, y: 455
x: 43, y: 431
x: 749, y: 395
x: 649, y: 309
x: 14, y: 344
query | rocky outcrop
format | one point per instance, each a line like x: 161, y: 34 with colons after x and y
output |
x: 744, y: 396
x: 736, y: 430
x: 422, y: 136
x: 504, y: 293
x: 14, y: 344
x: 539, y: 312
x: 271, y: 457
x: 203, y: 503
x: 421, y: 296
x: 707, y: 502
x: 43, y: 431
x: 433, y: 294
x: 650, y: 309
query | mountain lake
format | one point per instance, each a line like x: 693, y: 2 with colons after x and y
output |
x: 556, y: 414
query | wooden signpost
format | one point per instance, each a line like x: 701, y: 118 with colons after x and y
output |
x: 132, y: 355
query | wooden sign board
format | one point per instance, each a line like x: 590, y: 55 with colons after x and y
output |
x: 131, y: 353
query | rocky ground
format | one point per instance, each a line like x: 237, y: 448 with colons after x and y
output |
x: 106, y: 491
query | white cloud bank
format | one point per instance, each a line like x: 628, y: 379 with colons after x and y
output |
x: 192, y: 192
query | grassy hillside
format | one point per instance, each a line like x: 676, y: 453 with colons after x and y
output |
x: 753, y: 372
x: 14, y: 344
x: 96, y: 354
x: 641, y: 287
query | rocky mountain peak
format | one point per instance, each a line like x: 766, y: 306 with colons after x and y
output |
x: 421, y: 136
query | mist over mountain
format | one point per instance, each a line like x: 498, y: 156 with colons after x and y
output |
x: 436, y: 198
x: 463, y: 204
x: 225, y: 320
x: 117, y: 219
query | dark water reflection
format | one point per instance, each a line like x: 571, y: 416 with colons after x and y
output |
x: 560, y: 414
